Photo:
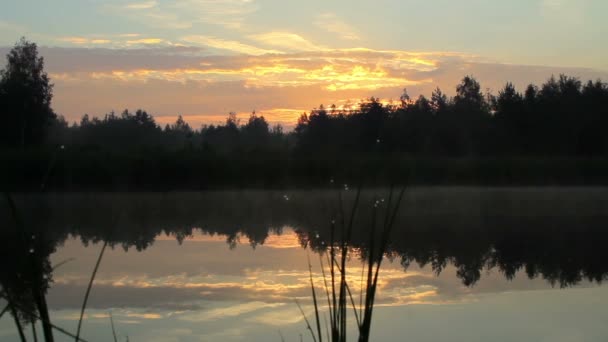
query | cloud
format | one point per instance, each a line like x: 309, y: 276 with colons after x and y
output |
x: 142, y: 5
x: 76, y: 40
x: 230, y: 311
x: 187, y: 13
x: 115, y: 41
x: 167, y: 79
x: 227, y: 45
x: 333, y: 70
x: 286, y: 40
x: 331, y: 23
x: 145, y: 41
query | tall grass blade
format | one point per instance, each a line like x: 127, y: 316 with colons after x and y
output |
x: 86, y: 296
x: 308, y: 326
x: 314, y: 299
x: 61, y: 263
x: 325, y: 282
x: 389, y: 220
x: 326, y: 327
x: 34, y: 331
x: 17, y: 323
x: 113, y: 330
x: 68, y: 334
x: 59, y: 329
x: 43, y: 309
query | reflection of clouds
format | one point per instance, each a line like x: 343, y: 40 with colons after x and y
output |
x: 69, y: 296
x: 229, y: 311
x: 173, y: 289
x: 244, y: 290
x: 287, y: 314
x: 124, y: 316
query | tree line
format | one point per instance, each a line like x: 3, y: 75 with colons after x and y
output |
x: 562, y: 118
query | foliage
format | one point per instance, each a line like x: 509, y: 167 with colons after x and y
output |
x: 25, y: 97
x: 557, y: 128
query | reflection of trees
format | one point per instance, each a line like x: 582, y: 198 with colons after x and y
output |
x: 561, y: 254
x: 563, y: 248
x: 26, y: 269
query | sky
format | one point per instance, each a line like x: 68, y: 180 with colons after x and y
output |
x: 205, y: 58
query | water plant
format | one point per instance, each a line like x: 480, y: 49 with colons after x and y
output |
x: 338, y: 292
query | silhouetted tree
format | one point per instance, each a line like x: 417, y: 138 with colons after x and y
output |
x: 25, y: 97
x: 255, y: 132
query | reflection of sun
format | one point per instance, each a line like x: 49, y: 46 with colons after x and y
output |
x: 287, y: 238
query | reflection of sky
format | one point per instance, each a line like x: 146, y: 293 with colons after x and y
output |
x: 203, y: 291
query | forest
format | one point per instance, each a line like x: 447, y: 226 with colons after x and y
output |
x: 554, y: 133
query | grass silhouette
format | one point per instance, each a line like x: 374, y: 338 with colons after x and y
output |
x: 337, y: 289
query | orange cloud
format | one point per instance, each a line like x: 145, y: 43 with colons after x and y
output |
x: 168, y: 80
x: 145, y: 41
x: 333, y: 70
x: 84, y: 40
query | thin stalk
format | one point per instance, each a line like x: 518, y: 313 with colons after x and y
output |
x: 86, y: 296
x: 361, y: 290
x: 59, y: 264
x: 61, y: 330
x: 326, y: 291
x: 389, y: 222
x: 312, y: 333
x: 350, y: 294
x: 352, y: 301
x: 67, y: 333
x: 346, y: 236
x: 314, y: 299
x: 326, y: 327
x: 364, y: 327
x: 341, y: 293
x: 113, y: 330
x: 17, y: 323
x: 34, y: 331
x: 47, y: 328
x: 333, y: 307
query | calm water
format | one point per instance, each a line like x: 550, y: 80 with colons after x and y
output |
x: 464, y: 264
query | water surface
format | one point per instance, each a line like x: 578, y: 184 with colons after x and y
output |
x: 463, y: 264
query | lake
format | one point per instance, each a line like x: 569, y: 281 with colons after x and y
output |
x: 460, y: 263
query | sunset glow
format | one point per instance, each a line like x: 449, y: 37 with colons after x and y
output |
x: 203, y: 59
